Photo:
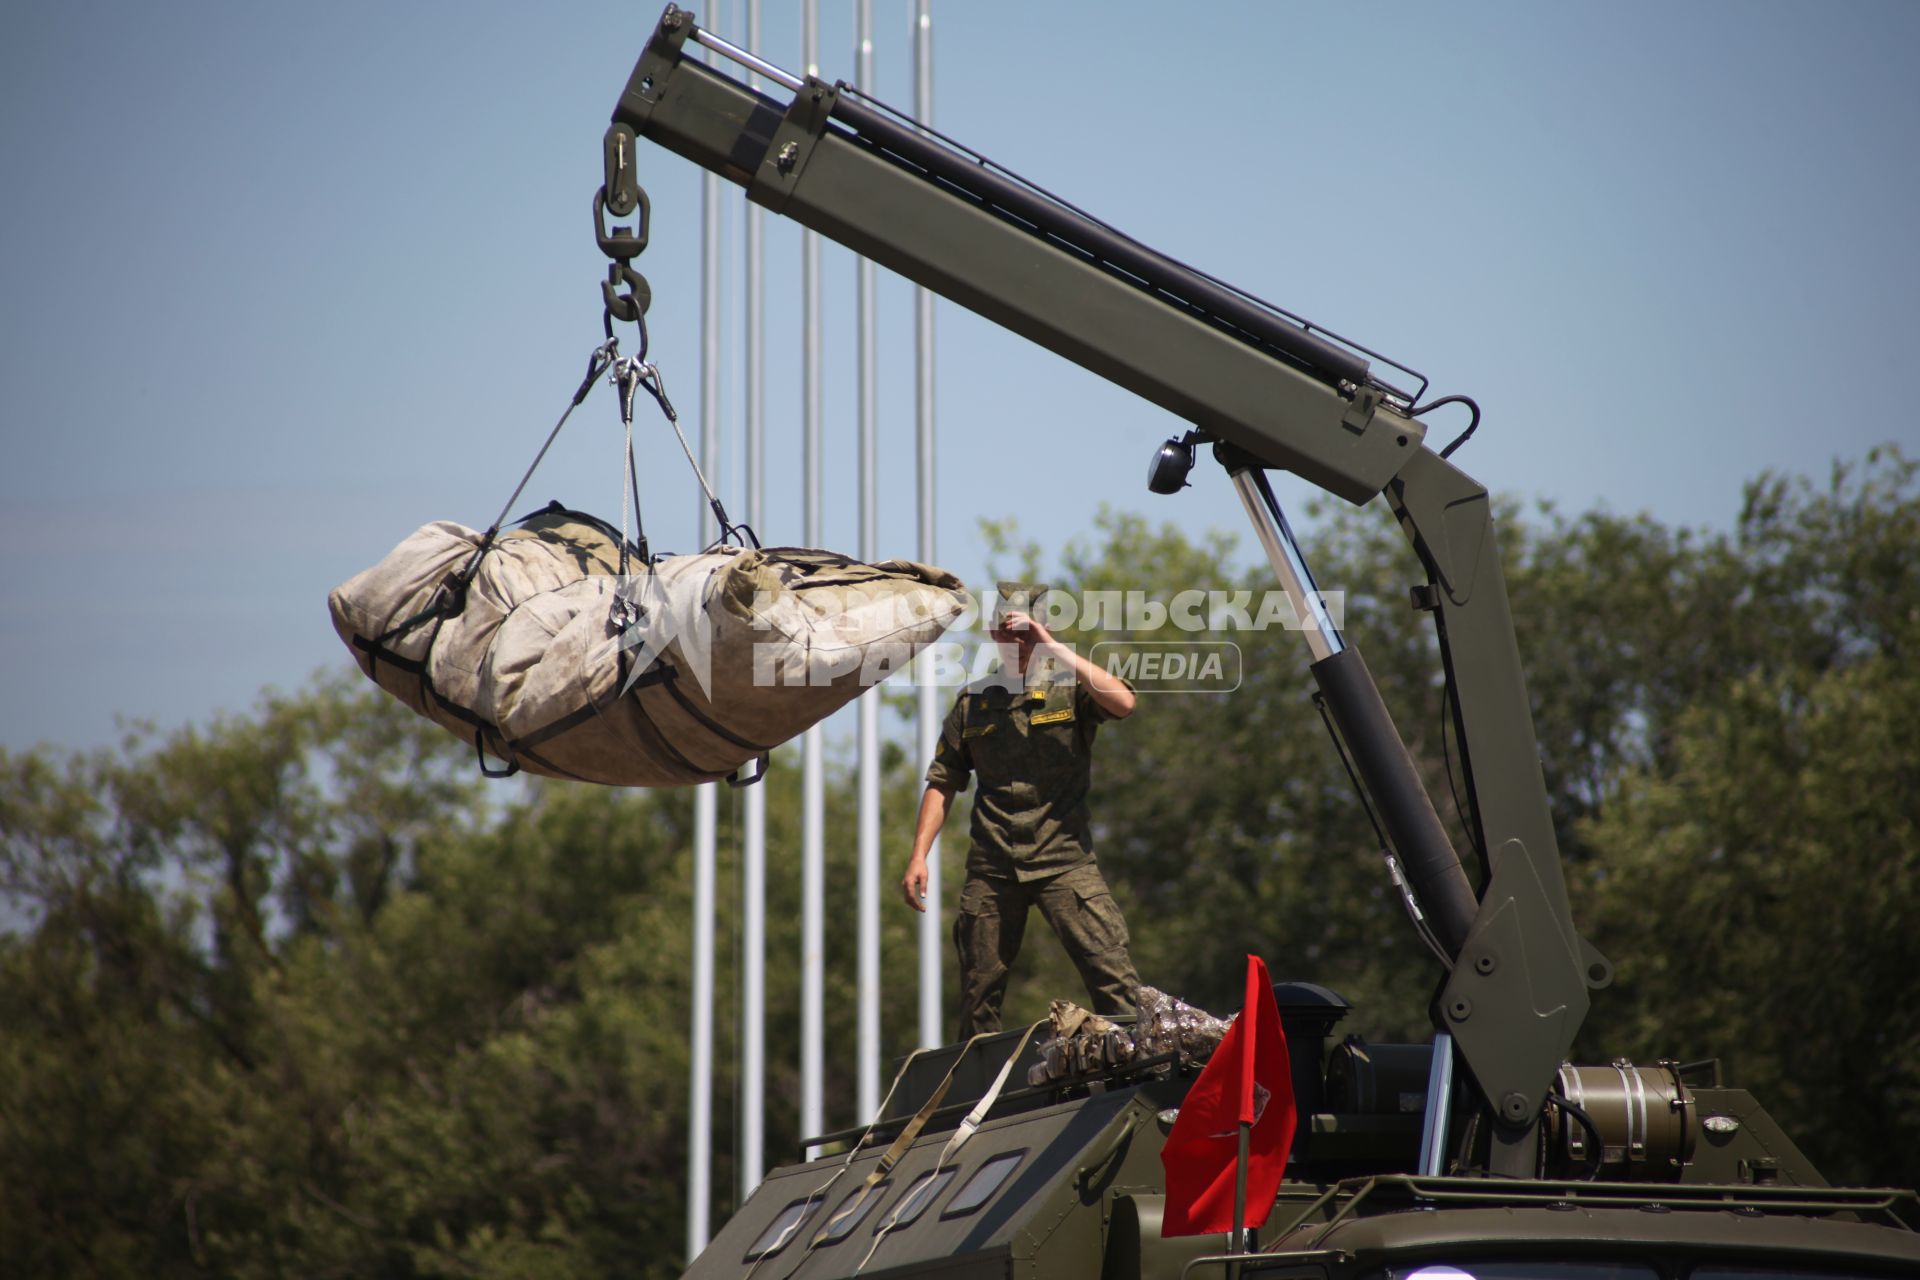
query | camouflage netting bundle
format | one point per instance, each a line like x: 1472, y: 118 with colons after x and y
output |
x: 541, y: 652
x: 1168, y: 1024
x: 1085, y: 1043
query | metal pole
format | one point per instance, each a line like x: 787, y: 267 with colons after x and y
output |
x: 700, y: 1121
x: 932, y: 940
x: 705, y: 803
x: 1237, y: 1242
x: 756, y: 65
x: 1283, y: 553
x: 1433, y: 1132
x: 867, y: 875
x: 812, y: 783
x: 753, y: 860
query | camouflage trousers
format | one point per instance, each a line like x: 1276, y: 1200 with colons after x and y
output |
x: 993, y: 921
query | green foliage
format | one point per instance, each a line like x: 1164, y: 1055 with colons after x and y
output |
x: 1729, y: 735
x: 1756, y: 875
x: 294, y: 993
x: 289, y: 995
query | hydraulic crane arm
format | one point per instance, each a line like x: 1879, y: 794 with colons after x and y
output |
x: 1272, y: 392
x: 847, y: 170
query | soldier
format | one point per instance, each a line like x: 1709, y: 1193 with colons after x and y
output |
x: 1028, y: 733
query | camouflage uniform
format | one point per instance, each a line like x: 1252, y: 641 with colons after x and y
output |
x: 1031, y: 839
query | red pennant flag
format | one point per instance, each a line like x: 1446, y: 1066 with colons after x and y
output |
x: 1247, y: 1081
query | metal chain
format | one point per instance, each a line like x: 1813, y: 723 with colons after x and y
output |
x: 621, y: 194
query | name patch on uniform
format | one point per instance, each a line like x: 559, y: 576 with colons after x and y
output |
x: 1053, y: 717
x: 977, y: 731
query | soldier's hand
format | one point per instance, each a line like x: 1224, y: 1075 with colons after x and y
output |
x: 913, y: 885
x: 1027, y: 627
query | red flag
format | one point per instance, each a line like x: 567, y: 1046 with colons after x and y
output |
x: 1248, y: 1080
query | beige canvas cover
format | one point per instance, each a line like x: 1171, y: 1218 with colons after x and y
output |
x: 675, y: 674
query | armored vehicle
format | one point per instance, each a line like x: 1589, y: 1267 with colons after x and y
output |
x: 1483, y: 1153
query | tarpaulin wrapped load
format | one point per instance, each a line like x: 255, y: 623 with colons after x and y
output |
x: 675, y: 673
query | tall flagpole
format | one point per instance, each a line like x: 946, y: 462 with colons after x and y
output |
x: 931, y: 938
x: 753, y: 868
x: 867, y: 877
x: 705, y: 803
x: 812, y: 784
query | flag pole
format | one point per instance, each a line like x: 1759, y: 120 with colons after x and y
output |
x: 1239, y: 1238
x: 932, y: 937
x: 867, y: 866
x: 753, y: 854
x: 705, y: 798
x: 813, y: 802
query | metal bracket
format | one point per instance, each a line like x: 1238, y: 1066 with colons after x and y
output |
x: 1517, y: 995
x: 617, y: 170
x: 622, y: 243
x: 648, y: 82
x: 792, y: 146
x: 1359, y: 414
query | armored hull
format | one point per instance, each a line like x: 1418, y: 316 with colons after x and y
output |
x: 1065, y: 1180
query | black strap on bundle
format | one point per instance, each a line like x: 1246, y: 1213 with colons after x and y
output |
x: 480, y: 754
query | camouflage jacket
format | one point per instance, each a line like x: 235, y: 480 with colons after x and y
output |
x: 1032, y: 748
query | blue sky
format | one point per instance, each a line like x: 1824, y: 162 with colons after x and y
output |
x: 284, y: 282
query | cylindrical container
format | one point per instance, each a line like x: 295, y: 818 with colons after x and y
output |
x: 1641, y: 1114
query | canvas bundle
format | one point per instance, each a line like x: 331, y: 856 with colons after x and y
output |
x: 678, y: 672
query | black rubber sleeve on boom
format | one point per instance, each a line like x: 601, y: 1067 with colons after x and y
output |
x: 1427, y: 856
x: 1155, y: 273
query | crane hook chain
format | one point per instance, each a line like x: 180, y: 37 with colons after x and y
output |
x: 621, y: 194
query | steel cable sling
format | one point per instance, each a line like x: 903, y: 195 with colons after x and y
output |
x: 625, y: 297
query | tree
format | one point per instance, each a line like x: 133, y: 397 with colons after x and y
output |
x: 1756, y: 875
x: 296, y: 992
x: 165, y: 886
x: 1691, y: 693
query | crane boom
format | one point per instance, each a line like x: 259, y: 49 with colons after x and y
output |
x: 1272, y: 392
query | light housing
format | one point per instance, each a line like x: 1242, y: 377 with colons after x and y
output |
x: 1171, y: 465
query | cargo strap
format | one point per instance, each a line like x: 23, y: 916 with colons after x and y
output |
x: 894, y: 1151
x: 961, y: 1134
x: 855, y: 1205
x: 820, y: 1192
x: 987, y: 1099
